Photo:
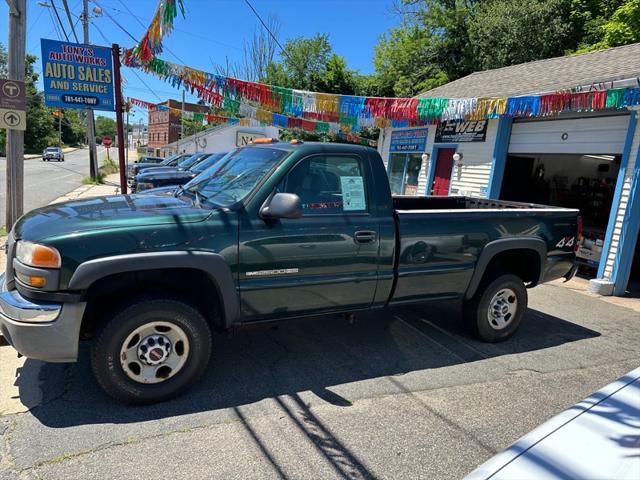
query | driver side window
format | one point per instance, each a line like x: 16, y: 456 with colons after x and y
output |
x: 328, y: 184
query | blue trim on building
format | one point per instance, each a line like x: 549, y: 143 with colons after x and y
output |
x: 432, y: 165
x: 629, y: 233
x: 499, y: 160
x: 615, y: 204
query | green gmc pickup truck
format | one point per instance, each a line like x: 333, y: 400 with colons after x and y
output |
x: 277, y: 230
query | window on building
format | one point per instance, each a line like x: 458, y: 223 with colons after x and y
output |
x: 328, y: 185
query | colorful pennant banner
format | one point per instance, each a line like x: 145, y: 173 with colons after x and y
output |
x: 161, y: 24
x: 282, y: 106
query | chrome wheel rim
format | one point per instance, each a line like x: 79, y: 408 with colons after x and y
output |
x: 154, y: 352
x: 502, y: 309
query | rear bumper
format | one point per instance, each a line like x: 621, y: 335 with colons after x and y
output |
x: 46, y: 331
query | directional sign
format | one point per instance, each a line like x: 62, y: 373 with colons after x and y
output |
x: 12, y: 95
x: 13, y: 119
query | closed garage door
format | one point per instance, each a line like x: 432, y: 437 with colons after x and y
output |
x: 593, y: 135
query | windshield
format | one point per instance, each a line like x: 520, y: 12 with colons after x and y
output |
x: 172, y: 161
x: 239, y: 175
x: 189, y: 161
x: 52, y: 149
x: 207, y: 162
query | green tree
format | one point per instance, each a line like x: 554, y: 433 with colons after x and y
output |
x: 508, y: 32
x: 73, y: 128
x: 622, y: 28
x: 405, y: 62
x: 105, y: 127
x: 191, y: 127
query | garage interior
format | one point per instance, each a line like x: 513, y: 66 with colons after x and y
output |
x: 571, y: 163
x: 586, y: 182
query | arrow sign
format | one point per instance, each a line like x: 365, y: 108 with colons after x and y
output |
x: 13, y: 119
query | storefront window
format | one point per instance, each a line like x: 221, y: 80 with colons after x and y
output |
x: 404, y: 172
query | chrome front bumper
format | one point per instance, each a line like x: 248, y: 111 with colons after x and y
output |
x: 43, y: 330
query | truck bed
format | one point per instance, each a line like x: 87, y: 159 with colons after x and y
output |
x: 440, y: 239
x: 406, y: 204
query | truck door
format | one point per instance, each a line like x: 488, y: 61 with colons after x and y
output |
x: 327, y: 259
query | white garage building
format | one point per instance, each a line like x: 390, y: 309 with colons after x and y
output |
x: 587, y: 160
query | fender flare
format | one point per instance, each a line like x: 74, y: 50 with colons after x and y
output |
x: 211, y: 263
x: 495, y: 247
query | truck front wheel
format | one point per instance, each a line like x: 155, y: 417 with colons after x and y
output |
x: 496, y: 310
x: 151, y: 351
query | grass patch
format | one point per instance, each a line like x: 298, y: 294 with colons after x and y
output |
x: 97, y: 181
x: 3, y: 231
x: 108, y: 167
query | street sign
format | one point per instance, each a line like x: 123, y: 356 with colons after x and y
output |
x: 77, y: 76
x: 13, y: 119
x: 12, y: 95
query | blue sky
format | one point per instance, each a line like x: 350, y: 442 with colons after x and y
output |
x: 214, y: 30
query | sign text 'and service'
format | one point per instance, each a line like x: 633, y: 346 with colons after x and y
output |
x: 77, y: 76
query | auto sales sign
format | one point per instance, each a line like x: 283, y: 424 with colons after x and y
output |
x: 77, y: 76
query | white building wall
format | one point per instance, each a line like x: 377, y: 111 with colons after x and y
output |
x: 472, y: 178
x: 624, y: 201
x: 217, y: 139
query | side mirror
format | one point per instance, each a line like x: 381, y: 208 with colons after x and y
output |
x: 282, y: 205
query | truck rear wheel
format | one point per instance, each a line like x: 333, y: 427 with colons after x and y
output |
x: 150, y: 351
x: 495, y: 312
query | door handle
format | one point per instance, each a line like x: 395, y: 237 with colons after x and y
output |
x: 364, y: 236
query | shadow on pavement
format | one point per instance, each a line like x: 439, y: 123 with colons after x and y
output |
x: 269, y: 361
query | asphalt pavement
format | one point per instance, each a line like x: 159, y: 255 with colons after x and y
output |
x: 401, y: 393
x: 46, y: 181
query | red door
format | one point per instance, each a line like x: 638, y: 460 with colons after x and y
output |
x: 442, y: 177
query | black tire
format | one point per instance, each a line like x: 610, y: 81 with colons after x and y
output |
x: 106, y: 350
x: 476, y: 311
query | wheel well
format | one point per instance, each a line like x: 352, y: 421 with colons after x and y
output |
x: 523, y: 262
x: 105, y: 296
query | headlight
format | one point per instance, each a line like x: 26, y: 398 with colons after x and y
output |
x: 143, y: 186
x: 36, y: 255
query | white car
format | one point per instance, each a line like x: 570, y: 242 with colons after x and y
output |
x: 53, y: 153
x: 598, y: 438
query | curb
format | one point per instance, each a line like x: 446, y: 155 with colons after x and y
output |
x: 33, y: 156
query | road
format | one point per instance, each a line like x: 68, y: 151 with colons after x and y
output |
x: 401, y: 393
x: 46, y: 181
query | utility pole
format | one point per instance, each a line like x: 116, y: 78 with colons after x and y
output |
x: 117, y: 85
x: 60, y: 127
x: 91, y: 126
x: 15, y: 138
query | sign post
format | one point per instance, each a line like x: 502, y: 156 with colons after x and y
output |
x: 115, y: 50
x: 14, y: 117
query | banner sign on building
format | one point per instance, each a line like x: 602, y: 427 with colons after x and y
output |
x: 409, y: 140
x: 77, y: 76
x: 458, y: 131
x: 245, y: 138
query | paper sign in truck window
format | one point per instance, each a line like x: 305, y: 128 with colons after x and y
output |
x: 353, y: 194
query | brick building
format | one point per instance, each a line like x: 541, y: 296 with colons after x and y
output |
x: 164, y: 126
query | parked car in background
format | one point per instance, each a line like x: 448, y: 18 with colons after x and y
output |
x: 184, y: 164
x: 53, y: 153
x: 136, y: 168
x: 146, y: 159
x: 279, y: 231
x: 157, y: 177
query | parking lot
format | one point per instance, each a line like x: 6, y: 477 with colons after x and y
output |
x: 402, y: 393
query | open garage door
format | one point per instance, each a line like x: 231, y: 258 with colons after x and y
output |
x: 591, y: 135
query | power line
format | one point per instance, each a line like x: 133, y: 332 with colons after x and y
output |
x: 73, y: 28
x: 134, y: 72
x: 55, y: 10
x: 55, y: 24
x: 275, y: 39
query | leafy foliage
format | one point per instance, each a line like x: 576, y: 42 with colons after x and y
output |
x: 105, y: 127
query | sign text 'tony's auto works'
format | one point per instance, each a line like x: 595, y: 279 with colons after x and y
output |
x: 77, y: 76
